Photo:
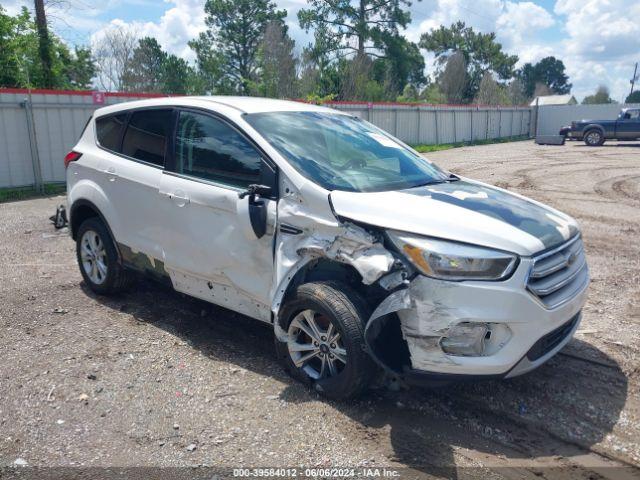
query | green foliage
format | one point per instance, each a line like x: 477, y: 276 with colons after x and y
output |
x: 379, y: 53
x: 13, y: 194
x: 371, y: 23
x: 277, y: 64
x: 601, y: 96
x: 549, y: 71
x: 402, y: 65
x: 633, y: 97
x: 433, y: 95
x: 318, y: 100
x: 227, y: 51
x: 446, y: 146
x: 480, y: 50
x: 410, y: 94
x: 153, y: 70
x: 20, y: 62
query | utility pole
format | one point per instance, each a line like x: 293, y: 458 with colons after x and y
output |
x: 44, y: 43
x: 635, y: 77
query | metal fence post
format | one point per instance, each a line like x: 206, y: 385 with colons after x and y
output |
x: 455, y: 128
x: 395, y: 122
x: 437, y: 132
x: 419, y: 124
x: 486, y: 130
x: 33, y: 145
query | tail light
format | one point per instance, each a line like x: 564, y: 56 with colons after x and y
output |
x: 71, y: 157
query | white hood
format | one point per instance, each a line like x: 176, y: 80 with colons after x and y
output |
x: 464, y: 211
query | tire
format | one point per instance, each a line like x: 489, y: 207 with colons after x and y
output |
x: 346, y: 311
x: 593, y: 138
x: 94, y: 242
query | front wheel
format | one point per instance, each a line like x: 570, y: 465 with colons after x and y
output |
x: 594, y: 138
x: 322, y: 339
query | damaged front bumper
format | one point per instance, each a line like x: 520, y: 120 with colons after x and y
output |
x: 517, y: 333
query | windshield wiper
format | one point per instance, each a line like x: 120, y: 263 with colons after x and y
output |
x: 450, y: 178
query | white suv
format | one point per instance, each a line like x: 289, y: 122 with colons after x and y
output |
x: 365, y: 257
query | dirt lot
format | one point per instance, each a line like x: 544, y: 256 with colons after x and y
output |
x: 152, y: 378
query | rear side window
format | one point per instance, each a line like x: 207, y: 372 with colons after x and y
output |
x: 210, y: 149
x: 109, y: 130
x: 146, y: 135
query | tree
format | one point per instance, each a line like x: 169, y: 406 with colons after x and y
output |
x: 402, y: 65
x: 433, y: 95
x: 601, y: 96
x: 633, y: 97
x: 143, y: 71
x: 78, y: 68
x: 153, y: 70
x: 229, y: 46
x: 515, y: 93
x: 410, y: 94
x: 453, y: 79
x: 549, y: 71
x: 114, y: 53
x: 20, y: 61
x: 277, y: 63
x: 44, y: 45
x: 178, y: 77
x: 370, y: 22
x: 319, y: 76
x: 490, y: 92
x: 480, y: 50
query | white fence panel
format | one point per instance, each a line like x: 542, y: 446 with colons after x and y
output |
x: 59, y: 117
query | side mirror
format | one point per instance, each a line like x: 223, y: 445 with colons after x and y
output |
x: 257, y: 207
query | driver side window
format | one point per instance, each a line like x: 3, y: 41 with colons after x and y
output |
x: 210, y: 149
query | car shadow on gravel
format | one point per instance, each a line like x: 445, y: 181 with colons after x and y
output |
x: 560, y: 410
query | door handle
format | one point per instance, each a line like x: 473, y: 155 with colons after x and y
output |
x: 178, y: 197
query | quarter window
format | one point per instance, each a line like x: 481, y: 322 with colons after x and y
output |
x: 210, y: 149
x: 146, y: 135
x: 109, y: 130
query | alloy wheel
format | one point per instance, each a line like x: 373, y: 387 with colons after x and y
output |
x: 94, y: 257
x: 593, y: 138
x: 315, y: 345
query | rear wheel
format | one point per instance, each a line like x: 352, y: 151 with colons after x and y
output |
x: 98, y: 259
x: 594, y: 138
x: 323, y: 341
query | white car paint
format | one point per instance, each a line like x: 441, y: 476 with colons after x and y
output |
x: 201, y: 233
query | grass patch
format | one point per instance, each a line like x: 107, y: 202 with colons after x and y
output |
x: 446, y: 146
x: 23, y: 193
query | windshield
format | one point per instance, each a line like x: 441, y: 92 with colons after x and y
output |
x: 341, y: 152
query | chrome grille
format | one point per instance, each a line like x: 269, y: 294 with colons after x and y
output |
x: 559, y: 275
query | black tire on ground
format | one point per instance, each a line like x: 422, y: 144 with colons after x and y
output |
x: 348, y: 313
x: 117, y: 278
x: 593, y: 137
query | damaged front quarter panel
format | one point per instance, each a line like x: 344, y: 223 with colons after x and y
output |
x: 309, y: 234
x: 312, y: 233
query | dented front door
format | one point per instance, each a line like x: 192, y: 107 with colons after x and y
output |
x: 210, y: 249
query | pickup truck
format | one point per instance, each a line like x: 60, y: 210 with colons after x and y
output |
x: 595, y: 132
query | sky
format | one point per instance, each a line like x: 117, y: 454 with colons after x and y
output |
x: 598, y: 40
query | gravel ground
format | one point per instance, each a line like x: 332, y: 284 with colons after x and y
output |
x: 153, y: 378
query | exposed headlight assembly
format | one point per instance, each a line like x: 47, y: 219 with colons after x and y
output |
x: 454, y: 261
